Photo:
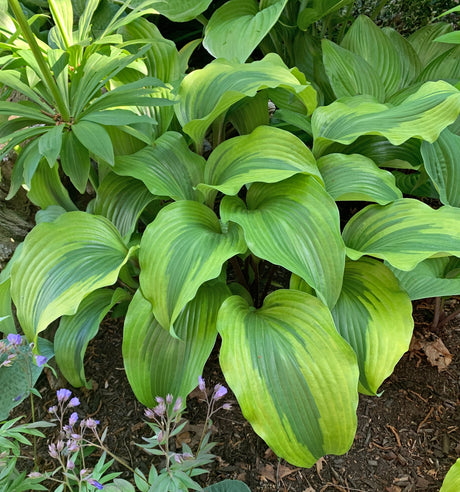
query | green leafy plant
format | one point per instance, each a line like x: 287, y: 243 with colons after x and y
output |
x: 452, y: 480
x: 192, y: 239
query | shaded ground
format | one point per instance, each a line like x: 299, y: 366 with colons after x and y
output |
x: 406, y: 440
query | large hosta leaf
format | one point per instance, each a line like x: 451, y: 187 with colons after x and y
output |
x: 267, y: 155
x: 434, y: 277
x: 238, y: 26
x: 422, y: 41
x: 295, y: 224
x: 157, y: 363
x: 355, y: 177
x: 374, y: 315
x: 404, y: 232
x: 349, y: 73
x: 121, y: 199
x: 442, y: 163
x: 208, y: 93
x: 422, y: 115
x: 367, y: 40
x: 179, y: 10
x: 75, y: 332
x: 60, y: 264
x: 181, y: 249
x: 167, y: 168
x: 294, y: 376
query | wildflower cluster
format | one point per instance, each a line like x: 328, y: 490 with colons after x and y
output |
x: 68, y: 448
x: 11, y: 349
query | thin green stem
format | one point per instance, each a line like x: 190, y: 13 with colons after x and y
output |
x: 202, y: 19
x: 45, y: 69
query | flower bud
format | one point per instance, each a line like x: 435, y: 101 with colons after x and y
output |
x: 178, y: 405
x: 52, y: 451
x: 160, y: 409
x: 73, y: 419
x: 201, y: 384
x: 169, y: 398
x: 70, y: 464
x: 63, y: 395
x: 149, y: 413
x: 74, y: 402
x: 226, y: 406
x: 219, y: 391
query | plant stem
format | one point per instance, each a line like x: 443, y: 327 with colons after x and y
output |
x: 201, y: 18
x: 45, y: 69
x: 32, y: 409
x: 239, y: 273
x: 437, y: 312
x: 449, y: 318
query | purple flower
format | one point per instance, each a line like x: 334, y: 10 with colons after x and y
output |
x: 149, y: 413
x: 95, y: 483
x: 52, y: 451
x: 72, y: 446
x: 201, y: 384
x: 34, y: 475
x: 159, y: 399
x: 169, y: 398
x: 63, y: 394
x: 70, y: 464
x: 178, y: 458
x: 90, y: 423
x: 226, y: 406
x: 14, y: 339
x: 40, y: 360
x: 74, y: 402
x: 73, y: 419
x: 60, y: 445
x: 219, y: 391
x: 178, y: 405
x: 53, y: 409
x: 160, y: 409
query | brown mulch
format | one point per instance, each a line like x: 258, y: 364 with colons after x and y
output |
x: 406, y: 441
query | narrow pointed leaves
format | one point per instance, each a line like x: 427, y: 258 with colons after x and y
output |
x: 61, y: 263
x: 295, y: 224
x: 296, y: 377
x: 374, y: 315
x: 403, y: 233
x: 181, y: 249
x: 266, y: 155
x: 157, y: 363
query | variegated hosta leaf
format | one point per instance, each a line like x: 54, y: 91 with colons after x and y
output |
x: 367, y: 40
x: 404, y: 233
x: 349, y: 73
x: 451, y: 482
x: 374, y: 315
x: 157, y: 363
x: 7, y: 324
x: 434, y: 277
x: 75, y: 332
x: 422, y: 115
x: 355, y: 177
x: 445, y: 67
x: 442, y: 163
x: 61, y: 263
x: 249, y: 113
x: 295, y: 224
x: 121, y: 199
x: 208, y: 93
x: 267, y: 155
x: 179, y: 10
x: 294, y: 376
x: 382, y: 152
x: 181, y: 249
x: 167, y: 168
x: 238, y: 26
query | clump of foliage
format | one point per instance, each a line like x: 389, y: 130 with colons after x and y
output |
x: 200, y: 194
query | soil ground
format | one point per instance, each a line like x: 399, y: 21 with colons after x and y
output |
x: 406, y: 440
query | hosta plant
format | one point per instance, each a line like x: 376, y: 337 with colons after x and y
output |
x: 196, y: 232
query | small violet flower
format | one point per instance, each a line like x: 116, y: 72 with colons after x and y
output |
x: 14, y: 339
x: 52, y: 451
x: 226, y: 406
x: 53, y: 409
x: 70, y: 464
x: 149, y: 413
x: 74, y: 402
x: 73, y: 419
x: 219, y: 391
x: 95, y: 483
x: 169, y: 398
x: 40, y: 360
x: 178, y: 405
x: 201, y: 384
x: 63, y: 395
x: 34, y: 475
x: 160, y: 409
